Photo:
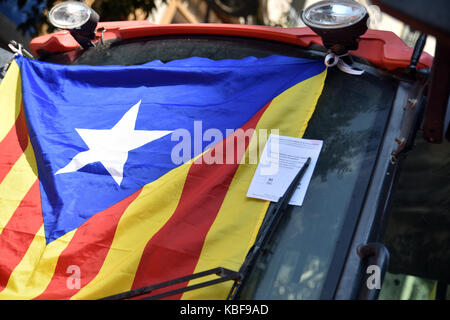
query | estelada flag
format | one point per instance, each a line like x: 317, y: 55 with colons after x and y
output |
x: 91, y: 183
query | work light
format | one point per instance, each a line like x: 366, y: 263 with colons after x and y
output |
x: 339, y: 23
x: 76, y: 17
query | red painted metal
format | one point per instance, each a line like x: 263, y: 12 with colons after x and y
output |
x: 382, y: 48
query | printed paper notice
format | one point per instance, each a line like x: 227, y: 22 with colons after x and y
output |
x: 281, y: 160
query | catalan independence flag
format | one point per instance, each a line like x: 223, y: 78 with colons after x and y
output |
x: 91, y: 182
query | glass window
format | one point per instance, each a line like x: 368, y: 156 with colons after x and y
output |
x: 417, y: 231
x: 407, y: 287
x: 350, y: 117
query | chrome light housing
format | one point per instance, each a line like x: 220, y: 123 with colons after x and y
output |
x: 76, y: 17
x: 339, y: 23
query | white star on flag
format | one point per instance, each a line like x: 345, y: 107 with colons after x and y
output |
x: 110, y: 147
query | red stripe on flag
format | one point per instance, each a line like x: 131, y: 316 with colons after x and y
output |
x: 175, y: 249
x: 19, y: 232
x: 87, y: 251
x: 13, y: 145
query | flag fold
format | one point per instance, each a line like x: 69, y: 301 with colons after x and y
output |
x: 117, y: 177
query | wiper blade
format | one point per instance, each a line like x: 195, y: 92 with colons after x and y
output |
x: 223, y: 273
x: 273, y: 218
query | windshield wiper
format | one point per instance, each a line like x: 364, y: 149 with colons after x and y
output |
x: 273, y: 218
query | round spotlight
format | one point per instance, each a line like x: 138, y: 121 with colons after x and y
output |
x: 76, y: 17
x: 339, y: 23
x: 69, y: 15
x: 334, y: 14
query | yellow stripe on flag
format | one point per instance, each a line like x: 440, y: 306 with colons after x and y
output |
x: 239, y: 219
x: 140, y: 222
x: 10, y: 99
x: 226, y: 243
x: 34, y: 272
x: 16, y: 184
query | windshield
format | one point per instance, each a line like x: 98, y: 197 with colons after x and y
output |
x: 350, y: 118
